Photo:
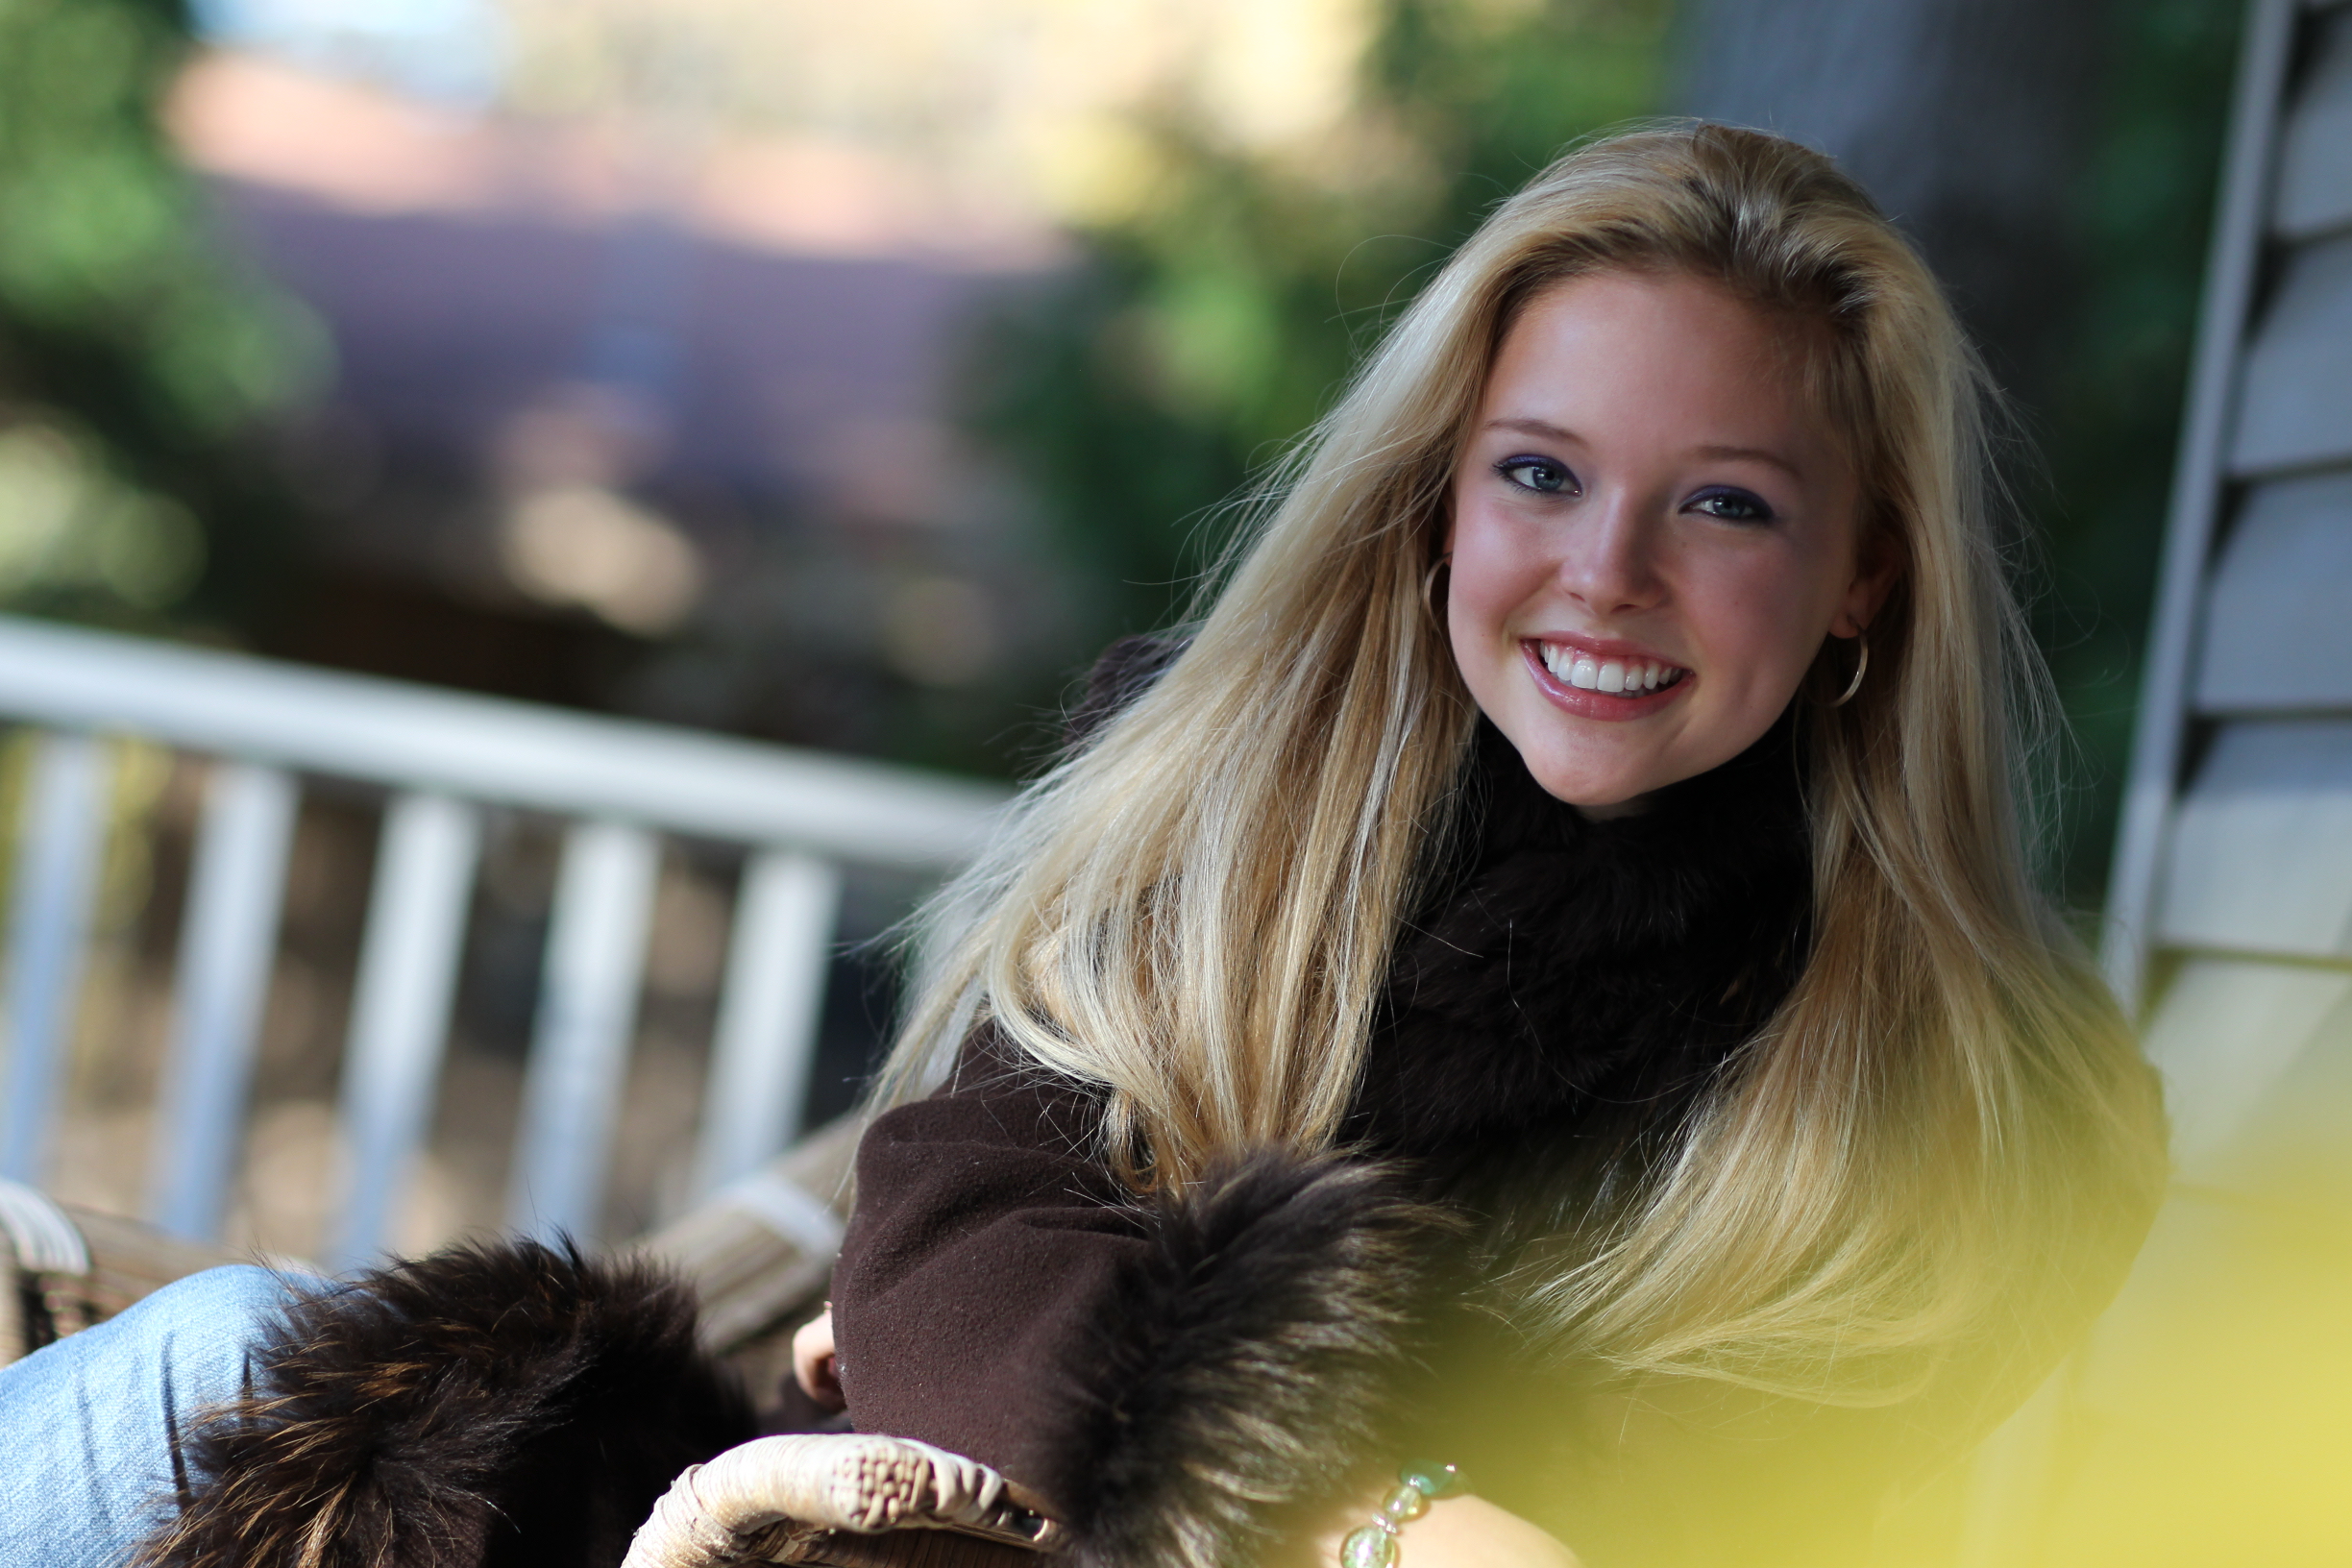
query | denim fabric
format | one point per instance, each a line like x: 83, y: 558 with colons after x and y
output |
x: 89, y: 1425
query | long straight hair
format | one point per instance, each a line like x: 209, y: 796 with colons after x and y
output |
x: 1195, y: 911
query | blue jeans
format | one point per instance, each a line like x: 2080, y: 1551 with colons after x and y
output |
x: 91, y: 1427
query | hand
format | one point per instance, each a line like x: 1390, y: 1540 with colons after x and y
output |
x: 1472, y: 1532
x: 760, y: 1497
x: 813, y: 1362
x: 1457, y: 1533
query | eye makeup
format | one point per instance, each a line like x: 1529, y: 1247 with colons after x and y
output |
x: 1730, y: 504
x: 1545, y: 476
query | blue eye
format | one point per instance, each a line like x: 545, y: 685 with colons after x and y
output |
x: 1732, y: 506
x: 1538, y: 473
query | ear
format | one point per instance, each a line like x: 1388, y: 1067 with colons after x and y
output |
x: 1878, y: 565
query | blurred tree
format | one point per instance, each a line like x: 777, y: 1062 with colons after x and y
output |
x: 134, y: 359
x: 1967, y: 120
x: 1222, y: 309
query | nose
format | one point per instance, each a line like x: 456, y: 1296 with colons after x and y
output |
x: 1608, y: 560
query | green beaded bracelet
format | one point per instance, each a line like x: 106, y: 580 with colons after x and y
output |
x: 1418, y: 1485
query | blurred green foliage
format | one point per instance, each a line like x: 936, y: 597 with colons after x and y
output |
x: 1214, y: 324
x: 135, y: 356
x: 2115, y: 409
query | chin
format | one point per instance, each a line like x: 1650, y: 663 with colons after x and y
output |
x: 1593, y: 795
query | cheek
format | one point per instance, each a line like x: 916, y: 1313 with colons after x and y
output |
x: 1493, y: 571
x: 1761, y: 621
x: 1480, y: 589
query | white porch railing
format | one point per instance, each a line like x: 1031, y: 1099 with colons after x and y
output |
x: 442, y: 757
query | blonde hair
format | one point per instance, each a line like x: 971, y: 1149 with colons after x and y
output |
x: 1195, y: 911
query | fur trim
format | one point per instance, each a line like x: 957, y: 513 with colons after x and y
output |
x: 506, y: 1404
x: 1252, y: 1360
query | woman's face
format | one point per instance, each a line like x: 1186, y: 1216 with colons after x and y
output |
x: 1651, y: 532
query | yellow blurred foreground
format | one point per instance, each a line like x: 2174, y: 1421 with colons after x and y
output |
x: 2209, y: 1421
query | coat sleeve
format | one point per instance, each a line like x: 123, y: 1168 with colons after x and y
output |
x: 1173, y: 1376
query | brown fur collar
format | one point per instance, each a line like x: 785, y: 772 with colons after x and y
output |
x: 1252, y: 1357
x: 488, y: 1407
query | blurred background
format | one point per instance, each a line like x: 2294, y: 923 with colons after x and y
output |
x: 847, y: 375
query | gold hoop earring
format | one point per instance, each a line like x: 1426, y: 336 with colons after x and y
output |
x: 1428, y: 588
x: 1861, y: 668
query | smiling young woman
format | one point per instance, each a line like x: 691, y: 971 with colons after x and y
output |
x: 1539, y: 984
x: 1650, y: 532
x: 1511, y: 845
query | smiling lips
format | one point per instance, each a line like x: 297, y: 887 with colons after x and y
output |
x: 1616, y: 676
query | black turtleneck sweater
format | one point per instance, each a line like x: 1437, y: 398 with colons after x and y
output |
x: 1171, y: 1376
x: 1562, y: 967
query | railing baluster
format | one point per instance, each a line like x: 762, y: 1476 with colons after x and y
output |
x: 587, y: 1012
x: 293, y: 723
x: 58, y: 842
x: 227, y: 949
x: 400, y: 1015
x: 766, y: 1039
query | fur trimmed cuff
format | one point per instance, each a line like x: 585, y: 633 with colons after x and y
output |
x: 512, y: 1403
x: 1252, y: 1362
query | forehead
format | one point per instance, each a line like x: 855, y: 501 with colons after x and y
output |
x: 1615, y: 344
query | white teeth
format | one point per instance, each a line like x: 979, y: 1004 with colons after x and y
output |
x: 1588, y: 674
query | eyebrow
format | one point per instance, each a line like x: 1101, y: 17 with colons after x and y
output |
x: 1754, y: 454
x: 1549, y: 431
x: 1532, y: 426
